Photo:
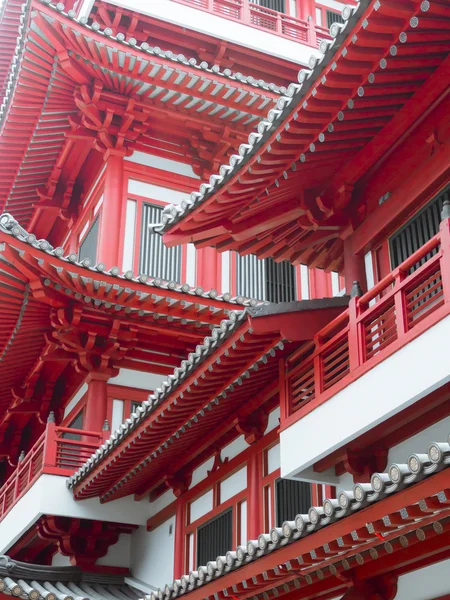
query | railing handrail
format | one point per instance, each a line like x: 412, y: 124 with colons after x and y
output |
x: 367, y: 328
x: 62, y: 430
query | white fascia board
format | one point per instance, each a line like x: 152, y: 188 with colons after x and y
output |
x: 393, y: 385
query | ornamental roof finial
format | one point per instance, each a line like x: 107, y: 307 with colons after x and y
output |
x: 445, y: 212
x: 356, y: 290
x: 51, y: 417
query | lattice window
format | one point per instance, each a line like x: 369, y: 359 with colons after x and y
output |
x: 214, y: 538
x: 88, y: 247
x: 265, y: 279
x: 156, y: 260
x: 292, y: 498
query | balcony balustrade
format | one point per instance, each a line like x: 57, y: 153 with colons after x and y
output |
x: 404, y: 304
x: 260, y: 17
x: 52, y: 454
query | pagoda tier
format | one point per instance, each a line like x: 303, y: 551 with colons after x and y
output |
x: 63, y: 320
x: 88, y: 94
x: 310, y: 175
x: 237, y: 365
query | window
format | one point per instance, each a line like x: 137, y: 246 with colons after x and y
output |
x: 155, y: 259
x: 292, y: 498
x: 265, y: 279
x: 417, y: 231
x: 333, y: 17
x: 88, y: 247
x: 77, y: 423
x: 278, y: 5
x: 215, y: 538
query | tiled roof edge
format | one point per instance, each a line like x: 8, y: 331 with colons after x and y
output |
x: 11, y: 227
x: 166, y: 54
x: 172, y: 214
x: 382, y: 485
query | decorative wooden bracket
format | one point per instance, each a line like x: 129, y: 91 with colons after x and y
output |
x: 179, y: 483
x: 253, y: 426
x: 383, y: 587
x: 362, y: 466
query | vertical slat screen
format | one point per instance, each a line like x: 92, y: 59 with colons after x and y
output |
x: 333, y: 17
x: 291, y: 498
x: 250, y: 277
x: 88, y: 247
x: 155, y: 259
x: 416, y: 232
x: 215, y: 538
x: 280, y: 281
x: 278, y: 5
x: 265, y: 279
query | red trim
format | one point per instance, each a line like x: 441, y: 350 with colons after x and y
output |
x: 163, y: 515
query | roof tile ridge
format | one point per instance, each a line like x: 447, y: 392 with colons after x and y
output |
x: 167, y: 54
x: 286, y: 104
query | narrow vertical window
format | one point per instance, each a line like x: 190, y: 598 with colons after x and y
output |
x: 129, y: 237
x: 88, y: 247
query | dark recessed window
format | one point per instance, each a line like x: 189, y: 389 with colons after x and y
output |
x: 292, y: 498
x: 76, y: 423
x: 214, y: 538
x: 265, y: 279
x: 88, y: 247
x: 278, y: 5
x: 333, y: 17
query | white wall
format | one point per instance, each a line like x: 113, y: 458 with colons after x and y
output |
x: 161, y: 502
x: 425, y: 584
x: 156, y: 192
x: 232, y: 485
x: 50, y: 496
x: 396, y: 383
x: 118, y: 555
x: 209, y: 24
x: 58, y: 560
x: 152, y: 554
x: 75, y: 399
x: 165, y: 164
x: 138, y: 379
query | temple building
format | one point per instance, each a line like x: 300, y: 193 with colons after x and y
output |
x: 224, y: 298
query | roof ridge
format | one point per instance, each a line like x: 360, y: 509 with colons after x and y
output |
x: 397, y: 477
x: 10, y: 226
x: 286, y: 104
x: 167, y: 54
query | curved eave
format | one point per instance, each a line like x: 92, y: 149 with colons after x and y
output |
x: 40, y: 94
x: 332, y: 127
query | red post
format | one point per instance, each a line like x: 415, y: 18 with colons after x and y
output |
x: 178, y: 562
x: 207, y: 269
x: 400, y: 306
x: 285, y: 405
x: 97, y: 402
x: 245, y: 12
x: 111, y: 212
x: 445, y: 260
x: 354, y: 267
x: 50, y: 442
x: 254, y: 505
x: 354, y: 354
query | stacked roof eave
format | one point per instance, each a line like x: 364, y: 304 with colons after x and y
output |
x: 284, y: 194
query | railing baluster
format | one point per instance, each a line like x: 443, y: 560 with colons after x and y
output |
x: 400, y: 304
x: 445, y: 247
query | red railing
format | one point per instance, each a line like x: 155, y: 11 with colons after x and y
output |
x: 253, y: 15
x: 52, y: 454
x: 400, y: 307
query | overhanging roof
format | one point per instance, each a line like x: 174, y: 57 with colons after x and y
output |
x: 55, y: 54
x: 232, y: 366
x: 36, y: 280
x: 39, y: 582
x: 337, y: 543
x: 285, y: 193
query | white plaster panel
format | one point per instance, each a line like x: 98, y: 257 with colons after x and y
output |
x: 129, y: 236
x: 75, y: 399
x: 152, y: 554
x: 137, y: 379
x: 274, y: 420
x: 118, y: 555
x: 201, y: 472
x: 156, y: 192
x: 50, y: 496
x: 117, y: 414
x: 419, y: 443
x: 333, y: 4
x: 58, y: 560
x: 335, y: 283
x: 236, y: 447
x: 191, y: 265
x: 273, y: 459
x: 213, y: 25
x: 243, y: 521
x: 226, y: 273
x: 425, y: 584
x: 304, y: 278
x: 165, y: 164
x: 232, y: 485
x: 161, y: 502
x: 396, y: 383
x: 201, y: 506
